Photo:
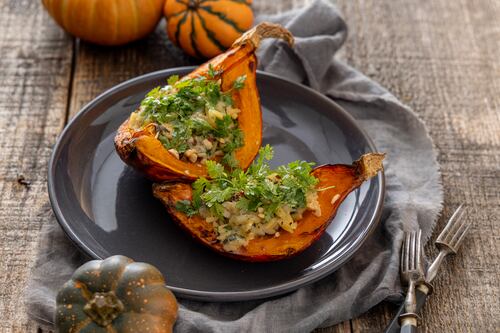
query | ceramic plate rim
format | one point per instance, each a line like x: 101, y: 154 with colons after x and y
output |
x: 218, y: 296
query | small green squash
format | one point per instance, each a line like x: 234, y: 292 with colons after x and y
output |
x: 115, y: 295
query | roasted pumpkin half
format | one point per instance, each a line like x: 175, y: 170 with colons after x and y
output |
x: 264, y: 214
x: 115, y: 295
x: 212, y: 113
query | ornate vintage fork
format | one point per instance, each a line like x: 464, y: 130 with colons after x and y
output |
x: 412, y: 273
x: 448, y: 242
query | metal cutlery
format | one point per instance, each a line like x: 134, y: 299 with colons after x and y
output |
x: 412, y: 273
x: 448, y: 242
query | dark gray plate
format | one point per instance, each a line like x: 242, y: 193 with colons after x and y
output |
x: 107, y: 208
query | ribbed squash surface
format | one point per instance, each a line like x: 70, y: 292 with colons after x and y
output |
x: 205, y: 29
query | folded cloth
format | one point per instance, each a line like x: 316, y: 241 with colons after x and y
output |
x: 413, y: 198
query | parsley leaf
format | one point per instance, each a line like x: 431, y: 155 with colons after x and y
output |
x: 181, y: 108
x: 259, y: 186
x: 215, y: 170
x: 173, y: 79
x: 186, y: 207
x: 212, y: 73
x: 239, y: 83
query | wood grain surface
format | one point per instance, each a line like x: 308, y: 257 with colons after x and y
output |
x: 35, y: 66
x: 440, y: 57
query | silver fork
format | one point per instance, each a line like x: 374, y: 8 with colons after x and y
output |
x: 449, y: 240
x: 412, y: 273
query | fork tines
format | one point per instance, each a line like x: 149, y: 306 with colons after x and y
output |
x: 455, y: 230
x: 412, y: 252
x: 412, y: 270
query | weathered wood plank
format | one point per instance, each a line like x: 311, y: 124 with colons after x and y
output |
x: 441, y: 57
x: 35, y: 62
x: 374, y: 320
x: 344, y: 327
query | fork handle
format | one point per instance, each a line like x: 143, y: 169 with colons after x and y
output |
x: 410, y: 300
x: 434, y: 267
x: 408, y: 328
x: 421, y: 292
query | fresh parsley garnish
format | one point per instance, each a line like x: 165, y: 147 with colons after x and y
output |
x: 177, y: 105
x: 212, y: 73
x: 173, y: 80
x: 239, y: 83
x: 259, y: 186
x: 185, y: 207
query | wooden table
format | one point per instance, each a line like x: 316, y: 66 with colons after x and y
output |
x: 441, y: 57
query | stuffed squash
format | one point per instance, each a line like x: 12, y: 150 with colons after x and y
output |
x: 263, y: 214
x: 212, y: 113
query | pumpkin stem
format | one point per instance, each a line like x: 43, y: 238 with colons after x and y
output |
x: 103, y: 308
x: 193, y: 4
x: 368, y: 165
x: 262, y: 31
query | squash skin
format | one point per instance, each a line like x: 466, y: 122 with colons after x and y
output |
x: 204, y: 30
x: 345, y: 178
x: 149, y: 306
x: 106, y: 22
x: 141, y: 150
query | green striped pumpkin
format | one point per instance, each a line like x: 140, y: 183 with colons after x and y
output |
x: 206, y: 28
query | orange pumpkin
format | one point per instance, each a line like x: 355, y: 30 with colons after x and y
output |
x: 206, y: 28
x: 339, y: 180
x: 142, y: 149
x: 106, y: 22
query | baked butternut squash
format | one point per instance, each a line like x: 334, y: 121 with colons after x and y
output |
x: 334, y: 183
x: 235, y: 74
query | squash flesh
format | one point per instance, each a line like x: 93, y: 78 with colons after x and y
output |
x: 142, y: 150
x: 345, y: 178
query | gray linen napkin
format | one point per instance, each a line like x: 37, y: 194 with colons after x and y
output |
x: 414, y: 198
